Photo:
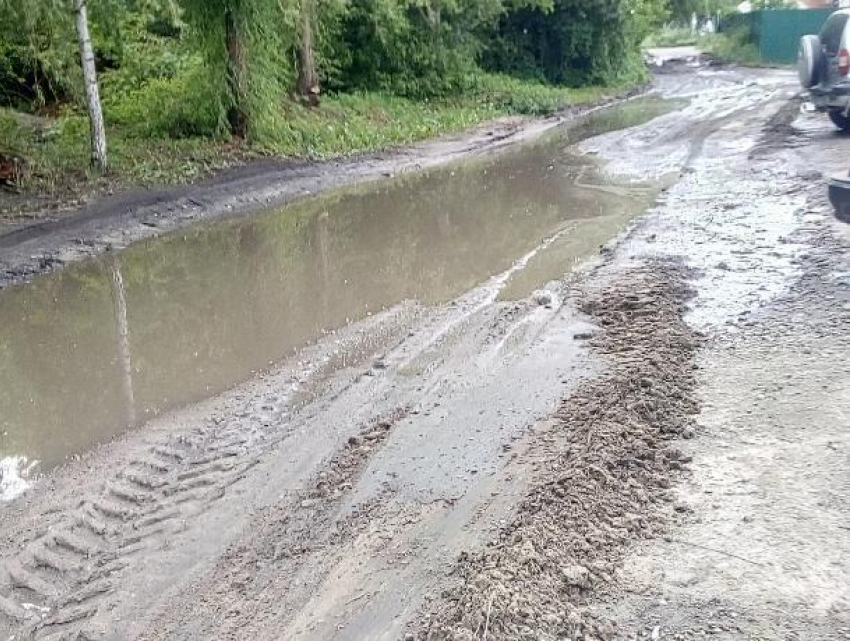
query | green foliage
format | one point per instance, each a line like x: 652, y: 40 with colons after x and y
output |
x: 682, y: 10
x: 333, y: 58
x: 177, y: 50
x: 733, y: 46
x: 360, y: 121
x: 513, y: 95
x: 644, y: 17
x: 38, y: 53
x: 57, y: 152
x: 173, y: 73
x: 774, y: 4
x: 179, y: 106
x: 415, y: 48
x: 266, y: 34
x: 145, y: 46
x: 576, y: 42
x: 12, y: 133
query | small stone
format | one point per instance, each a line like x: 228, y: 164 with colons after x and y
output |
x: 542, y: 297
x: 577, y: 576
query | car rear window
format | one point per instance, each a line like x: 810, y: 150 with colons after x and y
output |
x: 830, y: 36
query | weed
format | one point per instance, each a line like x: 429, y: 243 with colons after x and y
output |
x: 734, y: 46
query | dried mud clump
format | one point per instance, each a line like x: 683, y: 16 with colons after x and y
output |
x: 609, y: 463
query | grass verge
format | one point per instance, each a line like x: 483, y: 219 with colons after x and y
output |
x: 55, y: 150
x: 733, y: 47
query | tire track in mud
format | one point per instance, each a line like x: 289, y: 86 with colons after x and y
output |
x: 678, y: 141
x: 609, y: 462
x: 60, y: 579
x: 252, y: 583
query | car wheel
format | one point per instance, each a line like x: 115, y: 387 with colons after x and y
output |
x: 810, y: 61
x: 839, y: 196
x: 840, y: 120
x: 842, y: 213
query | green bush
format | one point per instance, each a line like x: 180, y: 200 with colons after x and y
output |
x: 733, y: 46
x: 411, y: 48
x: 39, y: 56
x: 12, y: 134
x: 177, y: 107
x: 574, y: 42
x: 39, y: 59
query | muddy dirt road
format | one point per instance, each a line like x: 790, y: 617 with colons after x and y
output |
x: 434, y: 409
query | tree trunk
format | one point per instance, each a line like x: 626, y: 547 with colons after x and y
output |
x: 237, y: 115
x: 308, y: 79
x: 98, y: 133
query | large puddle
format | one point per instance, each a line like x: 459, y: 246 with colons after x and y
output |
x: 95, y: 347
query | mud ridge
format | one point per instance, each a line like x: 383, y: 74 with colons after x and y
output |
x: 609, y: 463
x: 779, y: 131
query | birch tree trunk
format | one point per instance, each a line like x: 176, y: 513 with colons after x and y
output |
x: 308, y: 79
x: 98, y: 133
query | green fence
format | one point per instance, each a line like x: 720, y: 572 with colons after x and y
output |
x: 777, y: 32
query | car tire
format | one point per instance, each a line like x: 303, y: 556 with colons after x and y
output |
x: 839, y: 197
x: 842, y: 213
x: 810, y: 61
x: 840, y: 120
